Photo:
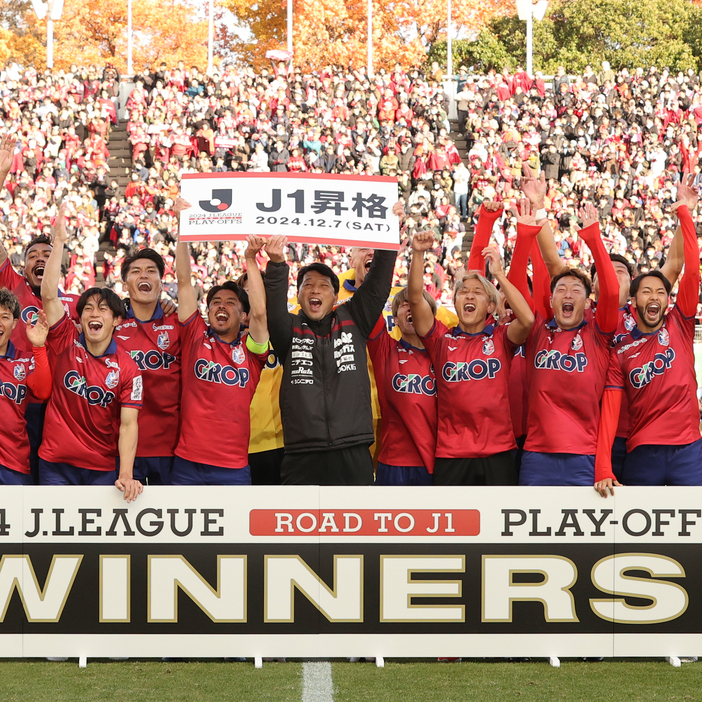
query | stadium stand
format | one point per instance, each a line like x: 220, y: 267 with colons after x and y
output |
x: 622, y: 142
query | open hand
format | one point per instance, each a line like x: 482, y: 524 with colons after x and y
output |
x: 524, y: 211
x: 588, y: 213
x: 687, y: 195
x: 532, y: 187
x: 7, y: 152
x: 494, y: 260
x: 37, y: 332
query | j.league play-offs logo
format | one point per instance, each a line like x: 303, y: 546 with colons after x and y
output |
x: 221, y: 201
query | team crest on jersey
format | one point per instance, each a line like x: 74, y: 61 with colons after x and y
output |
x: 163, y: 341
x: 663, y: 337
x: 577, y: 342
x: 238, y: 355
x: 629, y: 322
x: 488, y: 347
x: 20, y: 373
x: 112, y: 379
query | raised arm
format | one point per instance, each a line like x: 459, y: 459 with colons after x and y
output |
x: 527, y: 230
x: 540, y: 283
x: 187, y: 297
x: 608, y: 304
x: 673, y: 265
x: 52, y: 273
x: 280, y: 323
x: 258, y: 321
x: 689, y: 288
x: 422, y: 316
x: 534, y: 190
x: 7, y: 149
x: 518, y: 330
x: 368, y: 301
x: 488, y: 214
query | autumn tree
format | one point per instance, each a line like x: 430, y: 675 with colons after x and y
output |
x: 335, y: 31
x: 96, y: 32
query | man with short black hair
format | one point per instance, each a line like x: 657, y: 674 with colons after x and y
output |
x: 152, y: 339
x: 222, y: 364
x: 20, y: 370
x: 567, y: 359
x: 325, y: 394
x: 27, y: 288
x: 97, y: 391
x: 654, y: 365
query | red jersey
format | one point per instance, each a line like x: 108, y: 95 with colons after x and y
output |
x: 626, y: 321
x: 657, y: 373
x: 472, y: 382
x: 625, y: 324
x: 566, y: 372
x: 219, y: 381
x: 518, y: 393
x: 155, y: 348
x: 83, y: 413
x: 16, y: 367
x: 407, y: 393
x: 30, y: 302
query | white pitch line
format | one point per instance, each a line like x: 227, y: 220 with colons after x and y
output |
x: 317, y: 685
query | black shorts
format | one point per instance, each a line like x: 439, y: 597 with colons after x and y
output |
x: 498, y: 469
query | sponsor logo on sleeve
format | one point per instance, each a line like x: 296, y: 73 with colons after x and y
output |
x: 137, y: 389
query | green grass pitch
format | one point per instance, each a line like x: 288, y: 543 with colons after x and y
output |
x: 399, y: 681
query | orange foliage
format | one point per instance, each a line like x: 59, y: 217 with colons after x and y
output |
x: 26, y: 48
x: 335, y: 31
x: 96, y: 32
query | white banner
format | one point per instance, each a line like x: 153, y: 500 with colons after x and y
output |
x: 354, y: 571
x: 306, y: 207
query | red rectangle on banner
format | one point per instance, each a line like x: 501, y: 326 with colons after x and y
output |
x: 364, y: 522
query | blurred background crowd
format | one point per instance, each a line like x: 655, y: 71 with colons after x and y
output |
x: 620, y: 140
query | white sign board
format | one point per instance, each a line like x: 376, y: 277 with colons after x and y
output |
x: 306, y: 207
x: 350, y: 571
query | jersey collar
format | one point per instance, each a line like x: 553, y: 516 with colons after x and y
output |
x: 487, y: 331
x: 349, y: 285
x: 158, y: 314
x: 408, y: 347
x: 11, y: 352
x: 636, y: 333
x: 554, y: 325
x: 222, y: 341
x: 111, y: 349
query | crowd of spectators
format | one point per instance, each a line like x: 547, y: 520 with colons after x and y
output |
x: 620, y: 140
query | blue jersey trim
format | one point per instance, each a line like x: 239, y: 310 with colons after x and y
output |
x: 158, y: 314
x: 110, y: 351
